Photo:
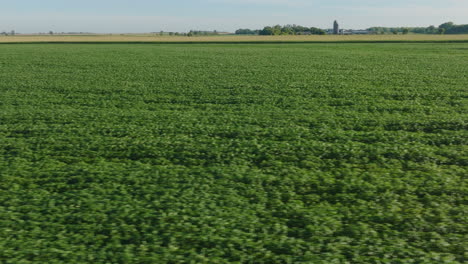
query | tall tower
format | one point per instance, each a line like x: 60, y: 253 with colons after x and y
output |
x: 336, y: 28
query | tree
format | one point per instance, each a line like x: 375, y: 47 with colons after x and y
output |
x: 431, y: 30
x: 405, y: 31
x: 419, y: 30
x: 316, y: 31
x: 287, y: 31
x: 451, y: 28
x: 284, y: 30
x: 441, y: 31
x: 395, y: 32
x: 459, y: 29
x: 245, y: 32
x: 447, y: 26
x: 277, y: 30
x: 267, y: 31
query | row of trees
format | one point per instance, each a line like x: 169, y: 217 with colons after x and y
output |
x: 190, y: 33
x: 202, y: 33
x: 446, y: 28
x: 11, y: 33
x: 396, y: 30
x: 282, y: 30
x: 451, y: 28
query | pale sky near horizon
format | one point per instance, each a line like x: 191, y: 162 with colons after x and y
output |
x: 133, y: 16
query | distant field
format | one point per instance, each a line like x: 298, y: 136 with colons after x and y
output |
x: 233, y: 153
x: 230, y: 38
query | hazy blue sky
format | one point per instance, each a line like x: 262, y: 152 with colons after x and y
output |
x: 224, y: 15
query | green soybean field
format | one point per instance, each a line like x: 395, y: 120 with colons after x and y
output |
x: 234, y: 153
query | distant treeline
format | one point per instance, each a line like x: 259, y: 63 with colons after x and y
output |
x: 451, y: 28
x: 12, y: 33
x: 446, y: 28
x: 282, y: 30
x: 202, y: 33
x: 190, y: 33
